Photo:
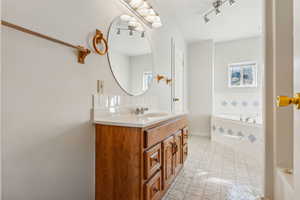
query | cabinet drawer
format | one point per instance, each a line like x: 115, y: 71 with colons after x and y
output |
x: 153, y: 189
x: 185, y: 136
x: 154, y: 135
x: 185, y: 152
x: 152, y: 160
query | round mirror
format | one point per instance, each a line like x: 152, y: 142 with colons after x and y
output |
x: 130, y: 55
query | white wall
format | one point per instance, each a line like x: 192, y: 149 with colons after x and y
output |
x: 48, y: 137
x: 237, y: 51
x: 139, y: 65
x: 200, y: 69
x: 121, y: 69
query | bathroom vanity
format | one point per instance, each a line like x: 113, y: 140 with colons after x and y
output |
x: 138, y: 159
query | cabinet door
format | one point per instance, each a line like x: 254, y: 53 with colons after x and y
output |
x: 168, y: 169
x: 185, y: 135
x: 177, y: 157
x: 185, y: 152
x: 153, y: 188
x: 152, y: 160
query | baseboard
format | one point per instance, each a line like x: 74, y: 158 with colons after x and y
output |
x: 202, y: 134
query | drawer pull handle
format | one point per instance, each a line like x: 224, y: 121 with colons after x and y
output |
x: 175, y: 148
x: 155, y: 190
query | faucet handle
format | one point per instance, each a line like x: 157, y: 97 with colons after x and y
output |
x: 137, y: 111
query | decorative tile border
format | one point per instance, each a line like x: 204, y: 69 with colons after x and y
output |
x: 242, y: 133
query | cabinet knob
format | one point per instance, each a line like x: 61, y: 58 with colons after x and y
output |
x: 155, y: 159
x: 155, y: 190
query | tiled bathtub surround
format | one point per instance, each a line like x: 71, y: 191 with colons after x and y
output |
x: 217, y: 172
x: 242, y: 136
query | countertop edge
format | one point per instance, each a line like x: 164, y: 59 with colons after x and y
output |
x: 138, y: 125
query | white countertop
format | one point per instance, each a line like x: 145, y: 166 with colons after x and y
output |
x: 131, y: 120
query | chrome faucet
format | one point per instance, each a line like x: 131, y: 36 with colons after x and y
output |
x: 140, y: 111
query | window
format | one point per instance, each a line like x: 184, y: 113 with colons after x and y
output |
x: 242, y: 75
x: 147, y: 80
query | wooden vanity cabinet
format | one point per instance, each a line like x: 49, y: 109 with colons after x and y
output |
x: 168, y: 164
x: 139, y: 163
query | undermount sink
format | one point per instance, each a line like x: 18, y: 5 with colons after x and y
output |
x: 155, y: 115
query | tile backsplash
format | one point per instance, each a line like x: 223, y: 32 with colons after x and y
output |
x: 110, y: 104
x: 237, y: 103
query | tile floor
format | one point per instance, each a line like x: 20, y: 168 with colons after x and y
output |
x: 216, y: 172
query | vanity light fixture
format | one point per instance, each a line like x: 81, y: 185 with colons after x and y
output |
x: 131, y: 32
x: 119, y: 31
x: 216, y: 8
x: 143, y: 11
x: 132, y: 25
x: 206, y: 19
x: 231, y: 2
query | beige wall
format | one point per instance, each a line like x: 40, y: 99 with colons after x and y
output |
x: 200, y: 69
x: 0, y: 108
x: 48, y: 137
x: 297, y: 90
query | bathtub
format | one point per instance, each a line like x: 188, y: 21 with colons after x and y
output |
x: 244, y: 133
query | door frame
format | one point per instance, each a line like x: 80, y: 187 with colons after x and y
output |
x: 278, y: 16
x: 173, y: 52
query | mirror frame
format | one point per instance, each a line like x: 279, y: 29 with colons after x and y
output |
x: 110, y: 59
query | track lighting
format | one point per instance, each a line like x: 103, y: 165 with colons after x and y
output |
x: 216, y: 8
x: 131, y: 32
x: 206, y: 19
x: 231, y: 2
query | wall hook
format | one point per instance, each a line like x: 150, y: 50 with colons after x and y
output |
x: 159, y: 78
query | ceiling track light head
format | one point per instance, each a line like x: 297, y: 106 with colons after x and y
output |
x: 131, y: 32
x: 119, y: 31
x: 206, y: 19
x: 231, y: 2
x: 217, y: 4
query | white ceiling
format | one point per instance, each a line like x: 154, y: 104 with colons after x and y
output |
x: 243, y: 19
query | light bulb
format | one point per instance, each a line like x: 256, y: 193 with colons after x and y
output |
x: 156, y: 24
x: 143, y: 11
x: 136, y: 3
x: 133, y: 23
x: 126, y: 18
x: 144, y: 5
x: 153, y: 18
x: 139, y: 28
x: 151, y: 12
